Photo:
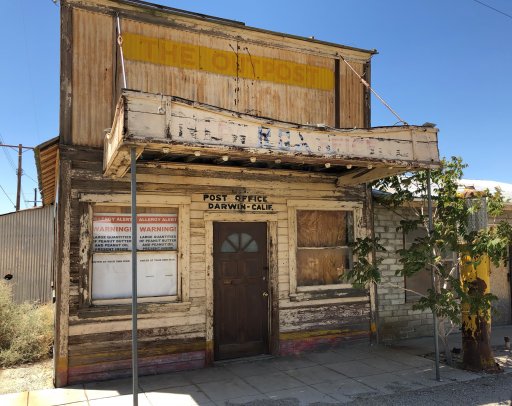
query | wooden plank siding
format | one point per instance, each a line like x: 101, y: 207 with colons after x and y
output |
x: 289, y: 92
x: 174, y: 335
x: 352, y: 114
x: 91, y: 77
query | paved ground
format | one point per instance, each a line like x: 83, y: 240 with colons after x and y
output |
x: 360, y: 374
x: 487, y: 390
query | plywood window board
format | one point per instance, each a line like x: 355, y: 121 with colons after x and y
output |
x: 323, y: 252
x: 319, y: 252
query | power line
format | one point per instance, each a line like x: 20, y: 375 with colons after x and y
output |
x: 23, y: 173
x: 19, y: 171
x: 30, y: 177
x: 24, y: 197
x: 6, y: 195
x: 9, y: 158
x: 492, y: 8
x: 28, y: 66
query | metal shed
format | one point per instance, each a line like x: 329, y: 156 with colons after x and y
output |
x: 26, y: 252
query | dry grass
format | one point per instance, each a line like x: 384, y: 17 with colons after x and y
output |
x: 27, y: 377
x: 26, y: 337
x: 26, y: 330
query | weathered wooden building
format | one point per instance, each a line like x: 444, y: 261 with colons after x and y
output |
x: 253, y: 152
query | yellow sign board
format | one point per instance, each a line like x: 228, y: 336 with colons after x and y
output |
x: 189, y: 56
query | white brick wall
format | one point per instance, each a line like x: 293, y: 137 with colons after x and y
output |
x: 397, y: 319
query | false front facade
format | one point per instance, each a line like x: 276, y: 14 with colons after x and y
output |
x: 253, y: 152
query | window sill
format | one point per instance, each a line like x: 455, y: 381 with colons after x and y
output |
x: 306, y: 293
x: 121, y: 311
x: 304, y: 302
x: 318, y: 288
x: 151, y: 299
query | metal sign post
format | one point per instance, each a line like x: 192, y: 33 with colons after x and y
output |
x: 135, y: 372
x: 434, y: 314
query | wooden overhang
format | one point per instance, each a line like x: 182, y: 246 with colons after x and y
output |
x: 168, y: 128
x: 47, y: 164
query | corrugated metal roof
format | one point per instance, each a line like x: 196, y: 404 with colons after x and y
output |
x: 477, y: 185
x: 491, y: 185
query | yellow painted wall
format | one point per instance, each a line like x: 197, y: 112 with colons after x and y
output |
x: 230, y: 63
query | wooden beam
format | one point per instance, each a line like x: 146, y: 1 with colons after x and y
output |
x: 66, y: 69
x: 363, y: 175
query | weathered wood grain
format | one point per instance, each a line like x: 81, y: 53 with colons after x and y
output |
x: 193, y: 127
x: 92, y: 66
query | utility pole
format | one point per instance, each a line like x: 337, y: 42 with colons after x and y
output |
x: 19, y: 172
x: 35, y: 201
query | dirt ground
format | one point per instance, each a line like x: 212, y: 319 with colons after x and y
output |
x: 28, y: 377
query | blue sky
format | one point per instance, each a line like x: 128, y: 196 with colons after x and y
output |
x: 446, y: 62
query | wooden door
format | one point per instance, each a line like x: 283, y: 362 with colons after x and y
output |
x: 241, y: 302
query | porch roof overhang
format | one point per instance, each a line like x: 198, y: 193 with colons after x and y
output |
x: 171, y: 129
x: 47, y: 164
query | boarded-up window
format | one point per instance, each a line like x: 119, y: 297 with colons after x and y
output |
x: 323, y: 252
x: 157, y: 242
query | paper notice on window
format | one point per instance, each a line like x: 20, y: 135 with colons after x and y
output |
x: 112, y: 275
x: 155, y: 232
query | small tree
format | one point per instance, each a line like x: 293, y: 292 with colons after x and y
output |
x: 450, y: 295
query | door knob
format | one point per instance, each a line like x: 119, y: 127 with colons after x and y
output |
x: 265, y: 294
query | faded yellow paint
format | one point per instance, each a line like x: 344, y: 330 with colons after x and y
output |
x: 296, y: 335
x: 61, y: 372
x: 470, y: 273
x: 166, y: 52
x: 209, y: 355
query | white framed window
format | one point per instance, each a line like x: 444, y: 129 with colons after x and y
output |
x: 163, y: 249
x: 320, y: 234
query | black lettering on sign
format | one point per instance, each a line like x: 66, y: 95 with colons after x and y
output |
x: 214, y: 198
x: 239, y: 202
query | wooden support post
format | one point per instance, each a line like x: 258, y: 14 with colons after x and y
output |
x: 433, y: 278
x: 374, y: 304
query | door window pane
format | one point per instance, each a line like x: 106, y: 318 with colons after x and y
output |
x: 239, y: 242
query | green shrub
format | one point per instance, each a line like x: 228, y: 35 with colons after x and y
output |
x: 26, y: 330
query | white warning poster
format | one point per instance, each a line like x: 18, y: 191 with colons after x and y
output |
x: 155, y: 232
x: 112, y: 278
